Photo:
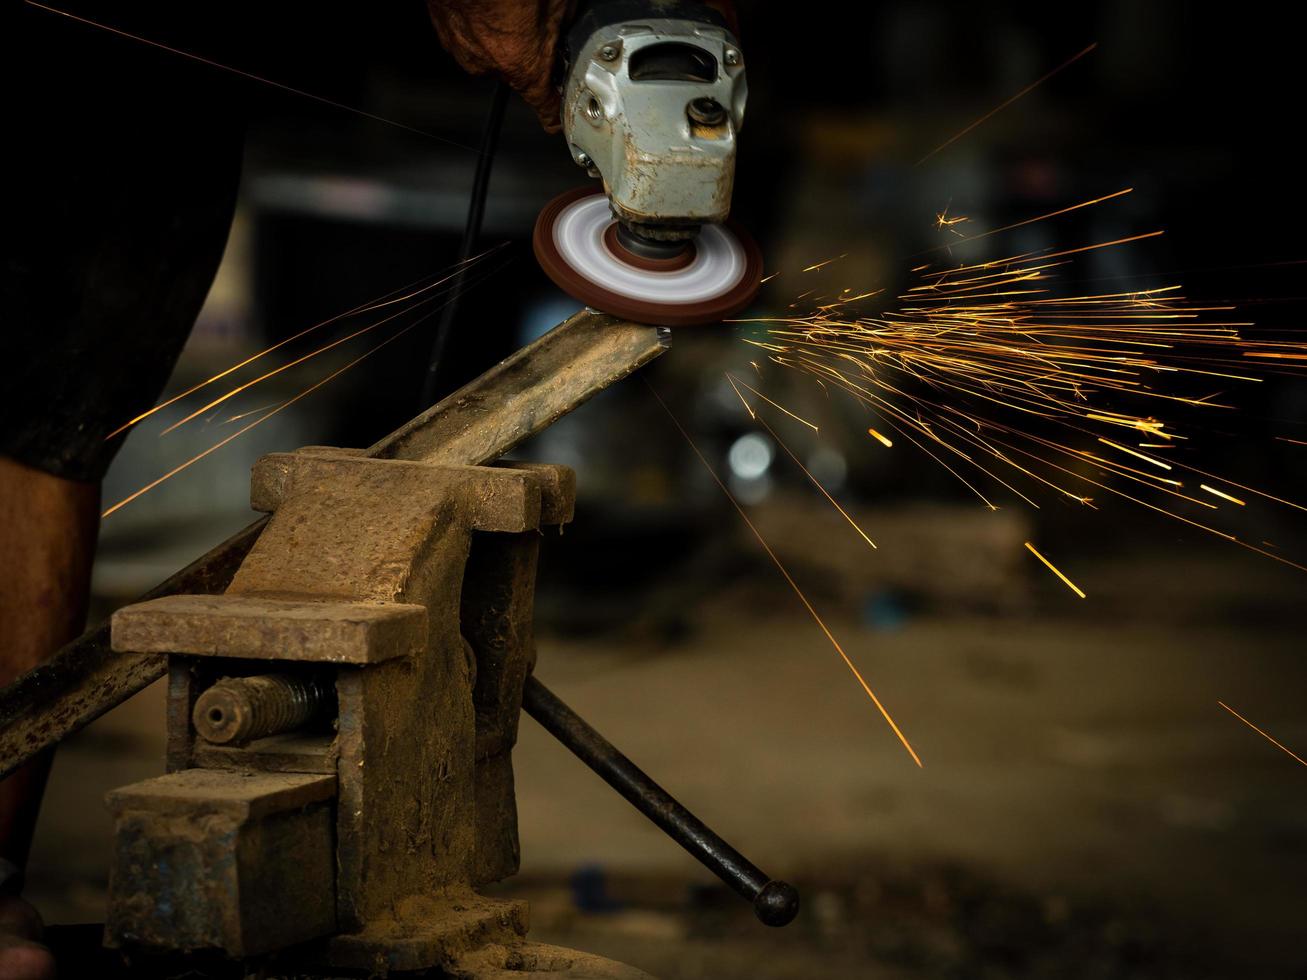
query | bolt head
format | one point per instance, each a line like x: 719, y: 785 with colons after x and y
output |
x: 608, y: 52
x: 733, y: 57
x: 706, y: 111
x: 583, y: 160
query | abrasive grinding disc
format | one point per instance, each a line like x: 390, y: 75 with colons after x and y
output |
x: 576, y: 244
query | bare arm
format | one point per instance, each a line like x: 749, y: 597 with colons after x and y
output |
x: 514, y: 39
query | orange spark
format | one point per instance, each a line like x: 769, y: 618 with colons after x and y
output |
x: 975, y: 349
x: 788, y: 578
x: 817, y: 483
x: 942, y: 220
x: 286, y: 404
x: 1116, y: 241
x: 1283, y: 748
x: 1277, y: 356
x: 822, y: 264
x: 747, y: 407
x: 1053, y: 568
x: 1223, y: 496
x: 887, y: 443
x: 1022, y: 224
x: 995, y: 111
x: 1127, y: 449
x: 380, y: 302
x: 734, y: 381
x: 263, y: 418
x: 1253, y: 490
x: 245, y: 415
x: 287, y: 366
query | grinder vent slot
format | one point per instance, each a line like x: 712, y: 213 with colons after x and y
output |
x: 672, y: 61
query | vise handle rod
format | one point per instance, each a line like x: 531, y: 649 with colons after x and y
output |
x: 776, y: 903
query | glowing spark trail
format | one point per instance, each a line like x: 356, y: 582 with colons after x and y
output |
x: 995, y: 111
x: 246, y: 74
x: 942, y: 220
x: 821, y: 265
x: 780, y: 408
x: 817, y: 483
x: 788, y: 578
x: 290, y: 364
x: 1283, y: 748
x: 286, y: 404
x: 1053, y: 568
x: 942, y: 223
x: 245, y: 415
x: 380, y: 302
x: 990, y: 367
x: 1126, y: 449
x: 239, y: 432
x: 1224, y: 496
x: 262, y: 418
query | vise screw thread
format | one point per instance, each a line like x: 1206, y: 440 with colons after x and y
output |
x: 237, y: 710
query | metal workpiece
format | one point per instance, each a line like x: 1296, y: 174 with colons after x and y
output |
x: 237, y: 710
x: 487, y: 417
x: 776, y: 903
x: 526, y: 392
x: 637, y: 110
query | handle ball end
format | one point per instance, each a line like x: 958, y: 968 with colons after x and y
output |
x: 777, y: 904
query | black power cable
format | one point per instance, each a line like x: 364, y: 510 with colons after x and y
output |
x: 476, y: 210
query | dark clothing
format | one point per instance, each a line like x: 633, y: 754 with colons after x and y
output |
x: 120, y: 170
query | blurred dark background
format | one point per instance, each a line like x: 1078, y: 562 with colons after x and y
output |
x: 1086, y: 809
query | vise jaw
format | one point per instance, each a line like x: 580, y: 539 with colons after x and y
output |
x: 405, y: 592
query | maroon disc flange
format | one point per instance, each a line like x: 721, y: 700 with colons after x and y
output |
x: 592, y: 294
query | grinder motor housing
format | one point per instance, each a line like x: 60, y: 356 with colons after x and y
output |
x: 653, y: 98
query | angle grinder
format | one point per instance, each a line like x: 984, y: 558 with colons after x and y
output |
x: 653, y: 99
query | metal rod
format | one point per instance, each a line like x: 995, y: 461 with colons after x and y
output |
x: 526, y: 392
x: 484, y: 419
x: 776, y: 903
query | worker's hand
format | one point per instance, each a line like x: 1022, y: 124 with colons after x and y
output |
x: 514, y: 39
x: 21, y: 956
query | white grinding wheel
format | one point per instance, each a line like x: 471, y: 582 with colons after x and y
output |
x: 576, y: 245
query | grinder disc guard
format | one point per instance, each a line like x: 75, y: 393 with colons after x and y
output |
x: 576, y: 244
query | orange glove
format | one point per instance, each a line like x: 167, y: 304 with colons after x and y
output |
x: 514, y: 39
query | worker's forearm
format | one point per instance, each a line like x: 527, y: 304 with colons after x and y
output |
x: 48, y: 527
x: 516, y: 41
x: 47, y: 539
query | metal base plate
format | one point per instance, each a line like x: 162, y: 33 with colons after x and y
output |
x: 574, y: 245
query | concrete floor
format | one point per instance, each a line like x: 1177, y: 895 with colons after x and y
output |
x: 1085, y: 810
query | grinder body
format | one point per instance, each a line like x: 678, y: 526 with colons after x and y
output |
x: 653, y: 99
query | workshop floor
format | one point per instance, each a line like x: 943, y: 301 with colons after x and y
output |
x: 1086, y: 809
